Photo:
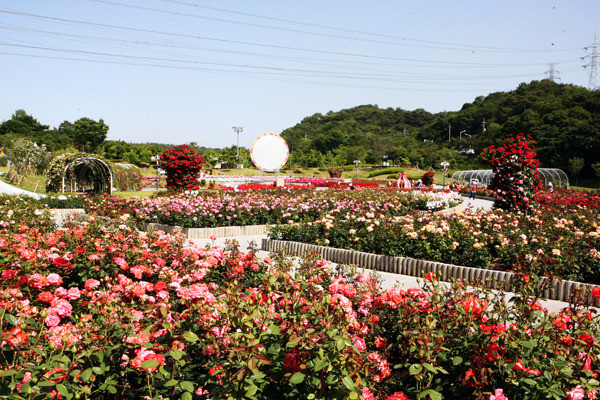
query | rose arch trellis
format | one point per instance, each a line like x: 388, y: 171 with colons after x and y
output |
x: 88, y: 175
x: 484, y: 176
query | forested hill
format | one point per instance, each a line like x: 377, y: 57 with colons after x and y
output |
x: 564, y: 119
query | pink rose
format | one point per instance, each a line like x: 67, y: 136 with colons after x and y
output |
x: 52, y: 320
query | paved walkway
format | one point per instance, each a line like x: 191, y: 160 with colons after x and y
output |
x: 9, y: 189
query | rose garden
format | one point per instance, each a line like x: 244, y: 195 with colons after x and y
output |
x: 100, y: 309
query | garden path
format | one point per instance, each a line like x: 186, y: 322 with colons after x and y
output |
x: 9, y: 189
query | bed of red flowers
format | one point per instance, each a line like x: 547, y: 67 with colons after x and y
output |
x: 102, y: 311
x: 568, y: 199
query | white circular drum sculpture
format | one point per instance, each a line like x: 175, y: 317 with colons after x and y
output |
x: 269, y: 152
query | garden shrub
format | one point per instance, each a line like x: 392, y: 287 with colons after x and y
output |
x: 182, y: 165
x: 427, y: 178
x: 516, y: 178
x: 335, y: 172
x: 127, y: 178
x: 106, y: 312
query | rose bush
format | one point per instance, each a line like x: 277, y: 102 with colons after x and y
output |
x: 263, y: 207
x: 556, y: 241
x: 514, y: 166
x: 182, y: 165
x: 103, y: 312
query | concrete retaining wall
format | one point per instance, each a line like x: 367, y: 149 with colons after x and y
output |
x: 61, y: 215
x: 205, y: 233
x: 499, y: 280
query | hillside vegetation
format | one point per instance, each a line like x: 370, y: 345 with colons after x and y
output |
x: 563, y: 119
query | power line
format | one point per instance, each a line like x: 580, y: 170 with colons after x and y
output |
x: 119, y: 43
x: 455, y: 46
x: 322, y: 73
x: 238, y: 42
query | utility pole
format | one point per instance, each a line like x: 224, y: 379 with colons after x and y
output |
x: 483, y: 124
x: 552, y: 73
x: 238, y: 130
x: 449, y: 132
x: 593, y: 64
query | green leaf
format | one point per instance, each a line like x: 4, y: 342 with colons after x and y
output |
x: 457, y: 360
x: 148, y: 345
x: 319, y: 364
x: 530, y: 381
x: 11, y: 319
x: 353, y: 395
x: 112, y: 389
x: 172, y: 382
x: 163, y: 311
x: 186, y: 396
x: 273, y: 330
x: 187, y: 386
x: 415, y: 369
x: 190, y: 336
x: 297, y: 378
x: 98, y: 370
x: 430, y: 367
x: 274, y: 348
x: 8, y: 372
x: 250, y: 391
x: 433, y: 395
x: 86, y: 375
x: 62, y: 389
x: 149, y: 364
x: 348, y: 382
x: 593, y: 382
x: 176, y: 354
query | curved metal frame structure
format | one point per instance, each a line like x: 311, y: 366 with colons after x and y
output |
x: 88, y: 175
x: 484, y: 176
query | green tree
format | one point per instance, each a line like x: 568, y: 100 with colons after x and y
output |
x: 88, y: 134
x: 575, y: 166
x: 26, y: 156
x: 596, y: 169
x: 22, y: 124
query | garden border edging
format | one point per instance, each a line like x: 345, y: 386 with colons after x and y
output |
x: 500, y: 280
x: 206, y: 233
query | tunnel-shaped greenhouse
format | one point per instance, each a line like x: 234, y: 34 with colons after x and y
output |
x: 87, y: 175
x: 484, y: 177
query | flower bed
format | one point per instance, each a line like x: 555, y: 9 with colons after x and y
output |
x: 262, y: 207
x: 106, y: 312
x: 556, y: 242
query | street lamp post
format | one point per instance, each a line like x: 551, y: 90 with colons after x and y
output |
x: 444, y: 165
x: 356, y: 162
x: 238, y: 130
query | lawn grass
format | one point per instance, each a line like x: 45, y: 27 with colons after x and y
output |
x: 31, y: 183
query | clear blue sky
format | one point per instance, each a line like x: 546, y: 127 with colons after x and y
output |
x: 180, y: 71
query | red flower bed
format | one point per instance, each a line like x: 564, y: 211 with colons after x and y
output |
x: 568, y: 199
x: 258, y: 186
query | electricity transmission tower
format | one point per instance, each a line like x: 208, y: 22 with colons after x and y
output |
x: 552, y: 73
x: 593, y: 64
